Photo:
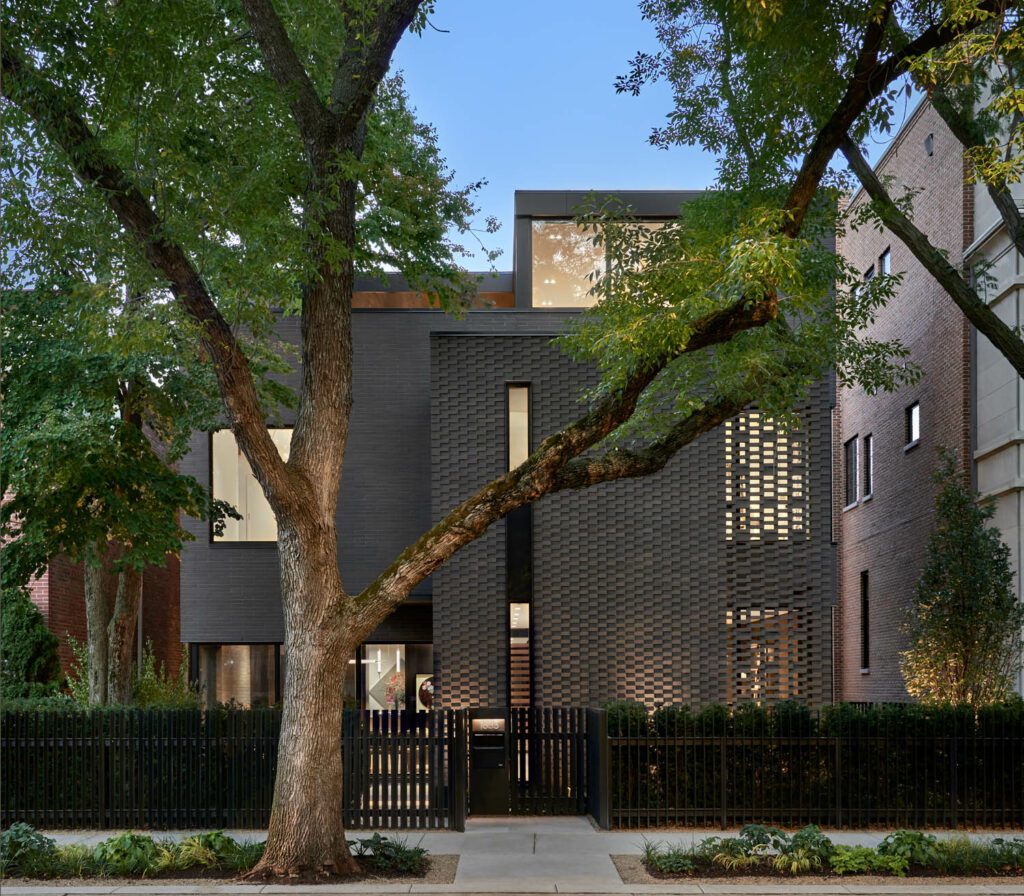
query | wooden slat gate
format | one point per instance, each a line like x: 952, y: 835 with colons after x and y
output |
x: 548, y: 774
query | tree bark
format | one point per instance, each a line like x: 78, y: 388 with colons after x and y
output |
x: 112, y: 599
x: 306, y: 834
x: 121, y: 632
x: 100, y: 588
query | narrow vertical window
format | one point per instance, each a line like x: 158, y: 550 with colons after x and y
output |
x: 869, y: 465
x: 850, y: 462
x: 865, y: 623
x: 885, y: 263
x: 913, y: 424
x: 519, y: 557
x: 518, y: 425
x: 869, y: 274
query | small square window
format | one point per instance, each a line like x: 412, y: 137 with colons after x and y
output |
x: 850, y: 479
x: 885, y: 263
x: 913, y: 424
x: 869, y: 465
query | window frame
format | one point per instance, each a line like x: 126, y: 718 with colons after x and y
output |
x: 849, y: 502
x: 867, y: 468
x: 885, y: 261
x: 220, y: 542
x: 912, y: 416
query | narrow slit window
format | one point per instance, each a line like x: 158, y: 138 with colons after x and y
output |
x: 850, y: 462
x: 865, y: 622
x: 869, y: 465
x: 913, y: 421
x: 518, y: 425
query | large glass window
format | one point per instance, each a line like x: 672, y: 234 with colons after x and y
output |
x: 566, y: 263
x: 245, y: 674
x: 397, y: 676
x: 233, y: 481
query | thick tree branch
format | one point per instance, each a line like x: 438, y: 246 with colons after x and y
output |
x: 367, y: 55
x: 60, y: 119
x: 870, y: 79
x: 967, y: 300
x: 967, y: 130
x: 279, y: 56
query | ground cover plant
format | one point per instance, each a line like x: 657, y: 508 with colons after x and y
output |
x: 25, y: 853
x: 761, y: 850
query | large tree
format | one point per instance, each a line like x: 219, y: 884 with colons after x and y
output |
x: 252, y: 155
x: 102, y: 390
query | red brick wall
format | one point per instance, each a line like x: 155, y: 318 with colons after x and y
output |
x: 60, y: 595
x: 887, y: 535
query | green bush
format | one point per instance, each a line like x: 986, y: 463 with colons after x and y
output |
x: 388, y: 855
x: 865, y: 860
x: 961, y: 855
x: 661, y: 858
x: 24, y: 852
x: 127, y: 855
x: 155, y: 686
x: 916, y: 847
x: 626, y: 718
x: 29, y: 665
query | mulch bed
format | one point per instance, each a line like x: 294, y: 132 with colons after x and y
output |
x: 633, y: 871
x: 440, y: 870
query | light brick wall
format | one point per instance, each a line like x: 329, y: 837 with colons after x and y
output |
x: 887, y: 535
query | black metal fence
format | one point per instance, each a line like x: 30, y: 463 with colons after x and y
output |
x: 167, y: 769
x: 889, y: 766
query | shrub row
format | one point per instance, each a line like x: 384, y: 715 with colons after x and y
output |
x: 760, y: 849
x: 26, y: 853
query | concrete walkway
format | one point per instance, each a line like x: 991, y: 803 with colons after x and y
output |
x: 539, y: 855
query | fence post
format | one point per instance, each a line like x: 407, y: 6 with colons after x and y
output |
x: 598, y: 768
x: 953, y: 796
x: 457, y: 774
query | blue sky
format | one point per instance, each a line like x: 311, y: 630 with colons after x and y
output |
x: 522, y: 94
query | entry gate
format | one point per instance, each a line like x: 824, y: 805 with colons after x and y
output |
x: 545, y: 761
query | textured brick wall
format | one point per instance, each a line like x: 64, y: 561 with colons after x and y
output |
x: 633, y: 581
x: 60, y: 595
x: 886, y: 535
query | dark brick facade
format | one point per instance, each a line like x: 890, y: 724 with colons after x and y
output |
x: 886, y: 535
x: 635, y: 584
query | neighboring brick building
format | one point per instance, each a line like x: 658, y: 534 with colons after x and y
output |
x: 969, y: 400
x: 59, y: 593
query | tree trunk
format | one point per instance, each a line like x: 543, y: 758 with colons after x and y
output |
x: 306, y: 835
x: 121, y: 635
x: 100, y: 588
x: 111, y: 611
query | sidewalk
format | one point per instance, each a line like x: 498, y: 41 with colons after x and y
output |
x: 539, y: 855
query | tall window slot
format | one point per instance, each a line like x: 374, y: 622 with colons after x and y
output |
x: 519, y: 556
x: 869, y: 465
x: 913, y: 424
x: 850, y: 480
x: 865, y: 622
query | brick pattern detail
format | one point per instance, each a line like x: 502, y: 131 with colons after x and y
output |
x: 637, y: 592
x: 886, y: 535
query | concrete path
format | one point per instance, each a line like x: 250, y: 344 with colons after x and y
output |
x: 538, y: 855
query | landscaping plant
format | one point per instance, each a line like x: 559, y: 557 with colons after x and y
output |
x: 24, y: 852
x: 127, y: 855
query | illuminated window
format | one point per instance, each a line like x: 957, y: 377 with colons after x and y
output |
x: 765, y: 480
x: 518, y: 425
x: 233, y: 481
x: 913, y: 424
x: 245, y: 674
x: 566, y: 263
x: 769, y: 657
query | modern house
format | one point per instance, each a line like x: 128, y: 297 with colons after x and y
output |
x: 711, y: 581
x: 969, y: 400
